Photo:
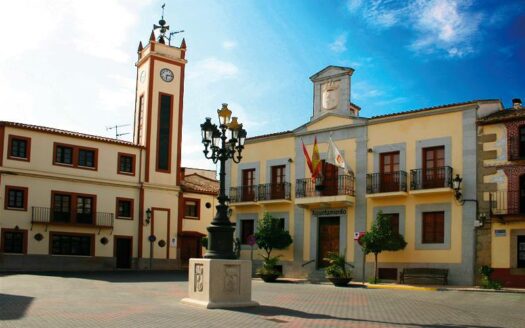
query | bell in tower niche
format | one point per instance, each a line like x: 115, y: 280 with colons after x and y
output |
x: 330, y: 95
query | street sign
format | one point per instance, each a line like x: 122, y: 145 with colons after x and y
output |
x: 358, y: 235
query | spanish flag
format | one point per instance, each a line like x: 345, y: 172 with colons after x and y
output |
x: 316, y: 160
x: 307, y: 157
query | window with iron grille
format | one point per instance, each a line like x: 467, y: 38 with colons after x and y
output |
x: 65, y: 244
x: 13, y: 241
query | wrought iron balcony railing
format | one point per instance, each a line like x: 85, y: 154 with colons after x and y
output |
x: 274, y: 191
x: 386, y: 182
x: 507, y: 202
x: 438, y: 177
x: 244, y: 194
x: 340, y: 185
x: 516, y: 149
x: 48, y: 216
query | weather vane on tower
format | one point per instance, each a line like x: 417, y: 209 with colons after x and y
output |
x: 164, y: 28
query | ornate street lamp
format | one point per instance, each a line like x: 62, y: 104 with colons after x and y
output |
x: 219, y: 148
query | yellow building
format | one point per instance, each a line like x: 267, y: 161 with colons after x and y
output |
x: 73, y: 201
x: 502, y: 191
x: 401, y: 164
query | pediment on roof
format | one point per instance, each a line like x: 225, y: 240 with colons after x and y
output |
x: 330, y: 121
x: 331, y: 71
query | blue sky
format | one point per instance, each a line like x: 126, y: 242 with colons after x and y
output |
x: 73, y: 67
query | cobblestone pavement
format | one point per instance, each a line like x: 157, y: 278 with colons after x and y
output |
x: 152, y: 299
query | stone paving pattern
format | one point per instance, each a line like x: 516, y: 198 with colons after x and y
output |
x: 152, y: 299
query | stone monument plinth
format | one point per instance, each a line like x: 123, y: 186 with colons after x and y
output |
x: 220, y: 283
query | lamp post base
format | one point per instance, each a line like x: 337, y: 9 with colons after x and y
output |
x: 220, y: 242
x: 220, y: 283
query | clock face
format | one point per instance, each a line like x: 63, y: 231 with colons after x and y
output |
x: 166, y: 74
x: 142, y: 76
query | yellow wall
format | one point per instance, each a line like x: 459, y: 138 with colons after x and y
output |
x: 504, y: 248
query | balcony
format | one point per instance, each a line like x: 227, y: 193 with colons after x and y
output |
x: 386, y: 184
x: 431, y: 181
x: 46, y: 215
x: 274, y: 192
x: 516, y: 149
x: 508, y: 205
x: 243, y: 194
x: 336, y: 192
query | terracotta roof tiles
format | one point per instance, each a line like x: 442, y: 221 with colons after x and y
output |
x: 199, y: 184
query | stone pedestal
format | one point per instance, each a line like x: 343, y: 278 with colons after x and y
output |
x: 220, y: 283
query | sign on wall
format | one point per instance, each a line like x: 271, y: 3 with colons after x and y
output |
x: 500, y: 233
x: 328, y: 211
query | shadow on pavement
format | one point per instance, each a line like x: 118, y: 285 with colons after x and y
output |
x: 274, y: 311
x: 116, y: 276
x: 13, y: 307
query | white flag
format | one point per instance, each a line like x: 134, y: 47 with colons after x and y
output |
x: 334, y: 156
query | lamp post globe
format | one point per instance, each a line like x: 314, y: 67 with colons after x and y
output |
x: 220, y: 146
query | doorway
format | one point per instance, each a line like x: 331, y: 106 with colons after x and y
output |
x: 190, y: 247
x: 123, y: 251
x: 521, y: 252
x: 328, y: 239
x: 329, y: 172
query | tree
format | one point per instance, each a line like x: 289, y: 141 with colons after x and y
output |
x: 269, y: 236
x: 381, y: 238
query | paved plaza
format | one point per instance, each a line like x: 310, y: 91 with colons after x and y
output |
x: 152, y: 299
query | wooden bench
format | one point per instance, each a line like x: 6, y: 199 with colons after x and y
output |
x: 432, y: 274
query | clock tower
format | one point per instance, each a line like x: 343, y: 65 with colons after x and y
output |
x: 158, y: 108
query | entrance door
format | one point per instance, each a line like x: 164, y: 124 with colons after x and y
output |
x: 328, y: 239
x: 190, y: 247
x: 521, y: 251
x: 389, y: 172
x: 522, y: 194
x: 330, y: 179
x: 433, y: 167
x: 123, y: 249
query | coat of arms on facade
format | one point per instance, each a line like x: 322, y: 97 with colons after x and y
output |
x: 198, y: 279
x: 330, y: 95
x: 231, y: 278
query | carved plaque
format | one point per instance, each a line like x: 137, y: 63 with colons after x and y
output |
x: 232, y: 275
x: 330, y: 95
x: 198, y: 279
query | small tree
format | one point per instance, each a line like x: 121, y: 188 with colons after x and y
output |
x: 381, y: 238
x: 269, y: 236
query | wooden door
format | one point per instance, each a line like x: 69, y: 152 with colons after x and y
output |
x: 123, y: 252
x: 328, y: 239
x: 277, y: 187
x: 521, y: 251
x: 329, y: 172
x: 190, y: 247
x: 521, y: 141
x: 522, y: 195
x: 248, y: 188
x: 389, y: 172
x: 433, y: 167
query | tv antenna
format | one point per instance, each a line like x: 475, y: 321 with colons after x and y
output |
x: 116, y: 127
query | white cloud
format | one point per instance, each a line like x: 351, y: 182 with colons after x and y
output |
x: 228, y: 44
x: 339, y: 44
x: 440, y: 26
x: 354, y: 5
x: 364, y: 91
x: 212, y: 70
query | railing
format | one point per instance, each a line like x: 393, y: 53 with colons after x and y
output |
x: 340, y: 185
x: 271, y: 191
x: 438, y: 177
x: 507, y: 202
x: 243, y: 194
x: 386, y: 182
x: 516, y: 149
x: 48, y: 216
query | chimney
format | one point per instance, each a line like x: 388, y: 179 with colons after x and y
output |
x: 516, y: 103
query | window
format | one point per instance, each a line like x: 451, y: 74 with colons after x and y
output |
x: 164, y: 133
x: 126, y: 164
x: 86, y: 158
x: 16, y: 198
x: 394, y: 221
x: 14, y: 241
x: 73, y: 208
x: 19, y: 148
x: 64, y: 155
x: 69, y: 244
x: 140, y: 120
x: 191, y: 208
x: 247, y: 229
x: 279, y: 222
x: 433, y: 228
x: 521, y: 140
x: 75, y: 156
x: 248, y: 185
x: 125, y: 208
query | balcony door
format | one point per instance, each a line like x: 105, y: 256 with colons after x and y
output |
x: 248, y: 185
x: 389, y: 169
x: 521, y: 251
x: 433, y: 167
x: 330, y: 179
x: 277, y: 187
x: 522, y: 194
x: 521, y: 141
